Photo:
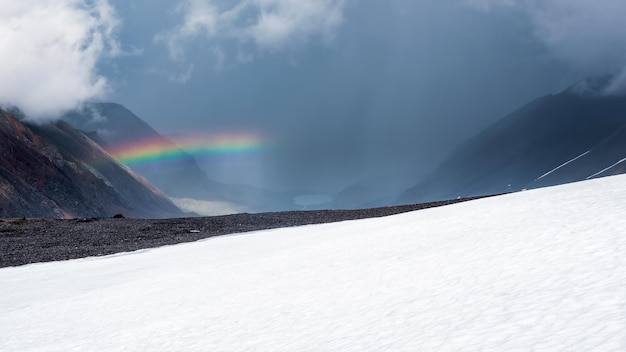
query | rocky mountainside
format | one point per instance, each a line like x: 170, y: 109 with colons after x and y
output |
x: 53, y: 170
x: 575, y: 135
x: 113, y: 125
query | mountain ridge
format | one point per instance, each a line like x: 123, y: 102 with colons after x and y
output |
x: 52, y: 170
x: 556, y: 139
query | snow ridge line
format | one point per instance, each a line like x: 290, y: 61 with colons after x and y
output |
x: 606, y: 169
x: 562, y: 165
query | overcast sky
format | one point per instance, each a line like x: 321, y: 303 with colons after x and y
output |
x: 344, y: 89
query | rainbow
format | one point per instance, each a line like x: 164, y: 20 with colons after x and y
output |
x: 160, y: 149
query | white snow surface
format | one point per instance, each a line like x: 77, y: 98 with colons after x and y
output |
x: 540, y: 270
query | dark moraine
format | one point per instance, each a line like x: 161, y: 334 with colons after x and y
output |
x: 24, y: 241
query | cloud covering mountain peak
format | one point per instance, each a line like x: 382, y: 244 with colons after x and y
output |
x: 49, y: 53
x: 587, y: 35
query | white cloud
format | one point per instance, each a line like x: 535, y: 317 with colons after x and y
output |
x: 200, y: 17
x: 268, y: 24
x: 588, y: 35
x: 281, y: 22
x: 49, y: 50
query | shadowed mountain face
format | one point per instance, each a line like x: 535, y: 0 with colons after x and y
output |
x: 55, y: 171
x: 114, y: 126
x: 572, y: 136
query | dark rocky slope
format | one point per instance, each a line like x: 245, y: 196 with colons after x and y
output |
x: 52, y: 170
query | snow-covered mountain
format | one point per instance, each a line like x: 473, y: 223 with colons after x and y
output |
x: 572, y: 136
x: 53, y: 170
x: 535, y: 270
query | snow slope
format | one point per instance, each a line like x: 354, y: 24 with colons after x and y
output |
x: 540, y: 270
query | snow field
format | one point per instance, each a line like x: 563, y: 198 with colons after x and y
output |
x: 539, y: 270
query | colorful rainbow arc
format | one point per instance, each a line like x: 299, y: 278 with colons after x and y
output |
x: 159, y: 149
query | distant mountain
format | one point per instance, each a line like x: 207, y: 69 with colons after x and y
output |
x: 373, y: 191
x: 114, y: 126
x: 575, y: 135
x: 53, y: 170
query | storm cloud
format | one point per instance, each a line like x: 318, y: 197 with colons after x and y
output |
x: 590, y: 36
x: 49, y: 52
x: 346, y: 90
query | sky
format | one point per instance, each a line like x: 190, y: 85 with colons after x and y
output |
x: 548, y: 276
x: 344, y: 91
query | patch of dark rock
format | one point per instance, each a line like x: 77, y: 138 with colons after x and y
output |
x: 42, y: 240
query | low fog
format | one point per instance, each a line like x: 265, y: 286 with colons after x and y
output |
x: 344, y: 92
